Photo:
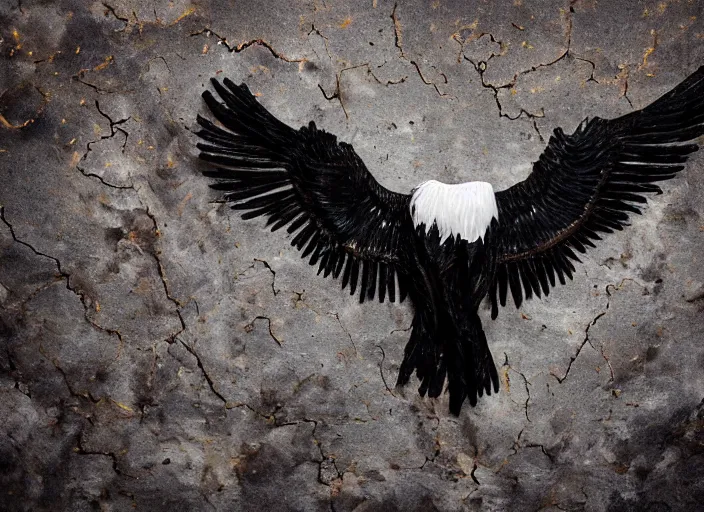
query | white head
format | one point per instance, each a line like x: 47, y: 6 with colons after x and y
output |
x: 465, y: 209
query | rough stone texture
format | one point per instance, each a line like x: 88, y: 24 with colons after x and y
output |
x: 158, y: 352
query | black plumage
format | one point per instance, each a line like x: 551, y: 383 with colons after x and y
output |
x: 584, y: 185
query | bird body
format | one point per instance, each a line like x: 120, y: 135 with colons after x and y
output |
x: 447, y: 247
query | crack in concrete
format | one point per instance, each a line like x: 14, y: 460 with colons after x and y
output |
x: 162, y: 274
x: 608, y: 362
x: 542, y: 449
x: 112, y: 123
x: 398, y: 35
x: 38, y: 112
x: 381, y: 371
x: 273, y: 274
x: 586, y: 333
x: 314, y: 30
x: 246, y: 44
x: 114, y: 129
x: 79, y: 450
x: 428, y: 82
x: 481, y: 67
x: 337, y: 317
x: 337, y: 93
x: 581, y: 346
x: 87, y: 395
x: 323, y: 457
x: 63, y: 275
x: 207, y: 377
x: 474, y: 469
x: 381, y: 82
x: 526, y: 383
x: 111, y: 10
x: 250, y: 326
x: 108, y: 61
x: 398, y: 42
x: 592, y: 64
x: 402, y: 330
x: 564, y: 55
x: 15, y: 373
x: 179, y: 304
x: 22, y: 307
x: 517, y: 446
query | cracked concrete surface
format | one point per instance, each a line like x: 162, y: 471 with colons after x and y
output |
x: 157, y: 351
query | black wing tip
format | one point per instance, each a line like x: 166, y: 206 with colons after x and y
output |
x: 241, y: 89
x: 208, y: 97
x: 215, y: 83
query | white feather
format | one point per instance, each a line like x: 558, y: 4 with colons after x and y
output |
x: 465, y: 209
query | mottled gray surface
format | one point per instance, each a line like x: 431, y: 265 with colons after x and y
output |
x: 157, y: 352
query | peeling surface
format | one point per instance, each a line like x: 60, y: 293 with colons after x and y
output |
x: 158, y: 352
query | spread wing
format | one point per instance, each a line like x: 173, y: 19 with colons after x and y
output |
x: 589, y: 183
x: 318, y: 187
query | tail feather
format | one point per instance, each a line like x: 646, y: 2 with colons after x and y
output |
x: 462, y: 357
x: 423, y: 354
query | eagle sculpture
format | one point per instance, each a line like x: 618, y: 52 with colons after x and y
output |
x: 446, y: 246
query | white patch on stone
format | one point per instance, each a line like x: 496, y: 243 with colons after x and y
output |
x: 465, y: 209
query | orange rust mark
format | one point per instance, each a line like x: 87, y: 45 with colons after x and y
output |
x: 346, y: 22
x: 108, y: 60
x: 183, y: 202
x: 621, y: 469
x: 507, y: 380
x: 398, y: 31
x: 185, y: 14
x: 122, y: 406
x: 143, y: 286
x: 647, y: 54
x: 457, y: 36
x: 8, y: 124
x: 75, y: 158
x: 649, y: 51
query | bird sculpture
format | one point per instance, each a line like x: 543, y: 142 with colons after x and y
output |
x: 447, y: 247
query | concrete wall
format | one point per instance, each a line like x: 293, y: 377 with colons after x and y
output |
x: 157, y: 352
